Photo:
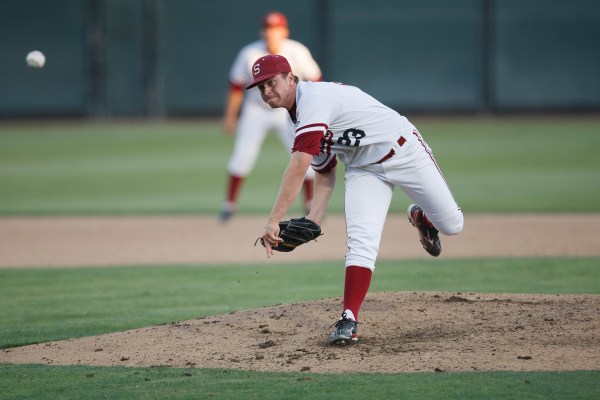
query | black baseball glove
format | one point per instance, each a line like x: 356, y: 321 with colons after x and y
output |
x: 294, y: 233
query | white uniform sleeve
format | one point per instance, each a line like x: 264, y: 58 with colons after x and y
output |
x: 315, y: 115
x: 239, y: 70
x: 309, y: 69
x: 322, y: 161
x: 303, y: 64
x: 315, y: 110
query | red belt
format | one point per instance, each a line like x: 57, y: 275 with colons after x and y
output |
x: 389, y: 155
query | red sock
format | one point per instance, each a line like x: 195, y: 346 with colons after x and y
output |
x: 308, y: 191
x: 356, y: 286
x: 234, y: 188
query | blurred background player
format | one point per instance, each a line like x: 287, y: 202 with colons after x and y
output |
x: 257, y: 118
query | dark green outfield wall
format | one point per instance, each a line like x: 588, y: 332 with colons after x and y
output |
x: 58, y: 28
x: 171, y: 57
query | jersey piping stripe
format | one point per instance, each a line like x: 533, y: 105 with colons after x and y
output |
x: 428, y: 151
x: 308, y: 133
x: 317, y: 167
x: 420, y: 139
x: 309, y: 126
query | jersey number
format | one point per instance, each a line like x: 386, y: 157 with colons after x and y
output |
x: 351, y: 137
x: 327, y: 142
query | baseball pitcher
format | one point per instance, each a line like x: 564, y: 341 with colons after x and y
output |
x: 381, y: 150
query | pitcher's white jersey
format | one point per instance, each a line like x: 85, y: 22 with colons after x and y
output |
x: 381, y: 150
x: 298, y: 55
x: 348, y: 122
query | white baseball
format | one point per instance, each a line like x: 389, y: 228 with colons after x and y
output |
x: 36, y: 59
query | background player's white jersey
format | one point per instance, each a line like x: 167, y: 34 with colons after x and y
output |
x: 299, y: 57
x: 357, y: 128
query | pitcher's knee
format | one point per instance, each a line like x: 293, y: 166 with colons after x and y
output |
x: 452, y: 226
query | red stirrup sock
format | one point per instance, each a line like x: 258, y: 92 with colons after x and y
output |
x: 356, y: 286
x: 235, y: 182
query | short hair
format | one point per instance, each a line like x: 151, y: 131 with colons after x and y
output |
x: 296, y: 79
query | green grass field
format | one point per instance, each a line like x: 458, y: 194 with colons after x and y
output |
x: 75, y: 382
x: 493, y: 165
x: 42, y: 305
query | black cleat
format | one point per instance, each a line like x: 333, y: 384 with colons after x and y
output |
x: 226, y: 212
x: 346, y: 331
x: 427, y: 233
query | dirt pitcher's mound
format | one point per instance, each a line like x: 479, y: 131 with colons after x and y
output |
x: 399, y: 332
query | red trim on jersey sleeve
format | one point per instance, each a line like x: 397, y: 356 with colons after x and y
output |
x: 235, y: 87
x: 305, y: 127
x: 308, y: 142
x: 327, y: 168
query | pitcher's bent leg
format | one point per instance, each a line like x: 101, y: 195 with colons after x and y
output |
x: 426, y: 186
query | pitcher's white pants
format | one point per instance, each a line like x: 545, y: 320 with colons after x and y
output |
x: 368, y: 193
x: 253, y: 126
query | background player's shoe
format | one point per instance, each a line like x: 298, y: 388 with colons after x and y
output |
x: 346, y: 331
x: 226, y: 212
x: 428, y: 234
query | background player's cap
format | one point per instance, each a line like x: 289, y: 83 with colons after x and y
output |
x: 267, y: 67
x: 274, y: 18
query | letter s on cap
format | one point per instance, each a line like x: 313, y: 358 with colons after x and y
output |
x: 256, y: 69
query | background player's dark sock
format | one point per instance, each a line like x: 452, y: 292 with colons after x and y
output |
x: 356, y: 286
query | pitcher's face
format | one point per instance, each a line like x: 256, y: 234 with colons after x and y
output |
x: 278, y: 91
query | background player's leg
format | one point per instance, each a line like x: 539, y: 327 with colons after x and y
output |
x: 250, y: 135
x: 309, y: 189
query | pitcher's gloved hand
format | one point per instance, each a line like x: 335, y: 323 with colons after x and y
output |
x: 294, y: 233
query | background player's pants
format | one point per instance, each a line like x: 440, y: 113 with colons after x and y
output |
x: 369, y: 192
x: 253, y: 125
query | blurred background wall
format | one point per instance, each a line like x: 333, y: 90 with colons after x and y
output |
x: 163, y: 58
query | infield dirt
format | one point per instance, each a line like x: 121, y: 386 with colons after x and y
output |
x: 407, y: 331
